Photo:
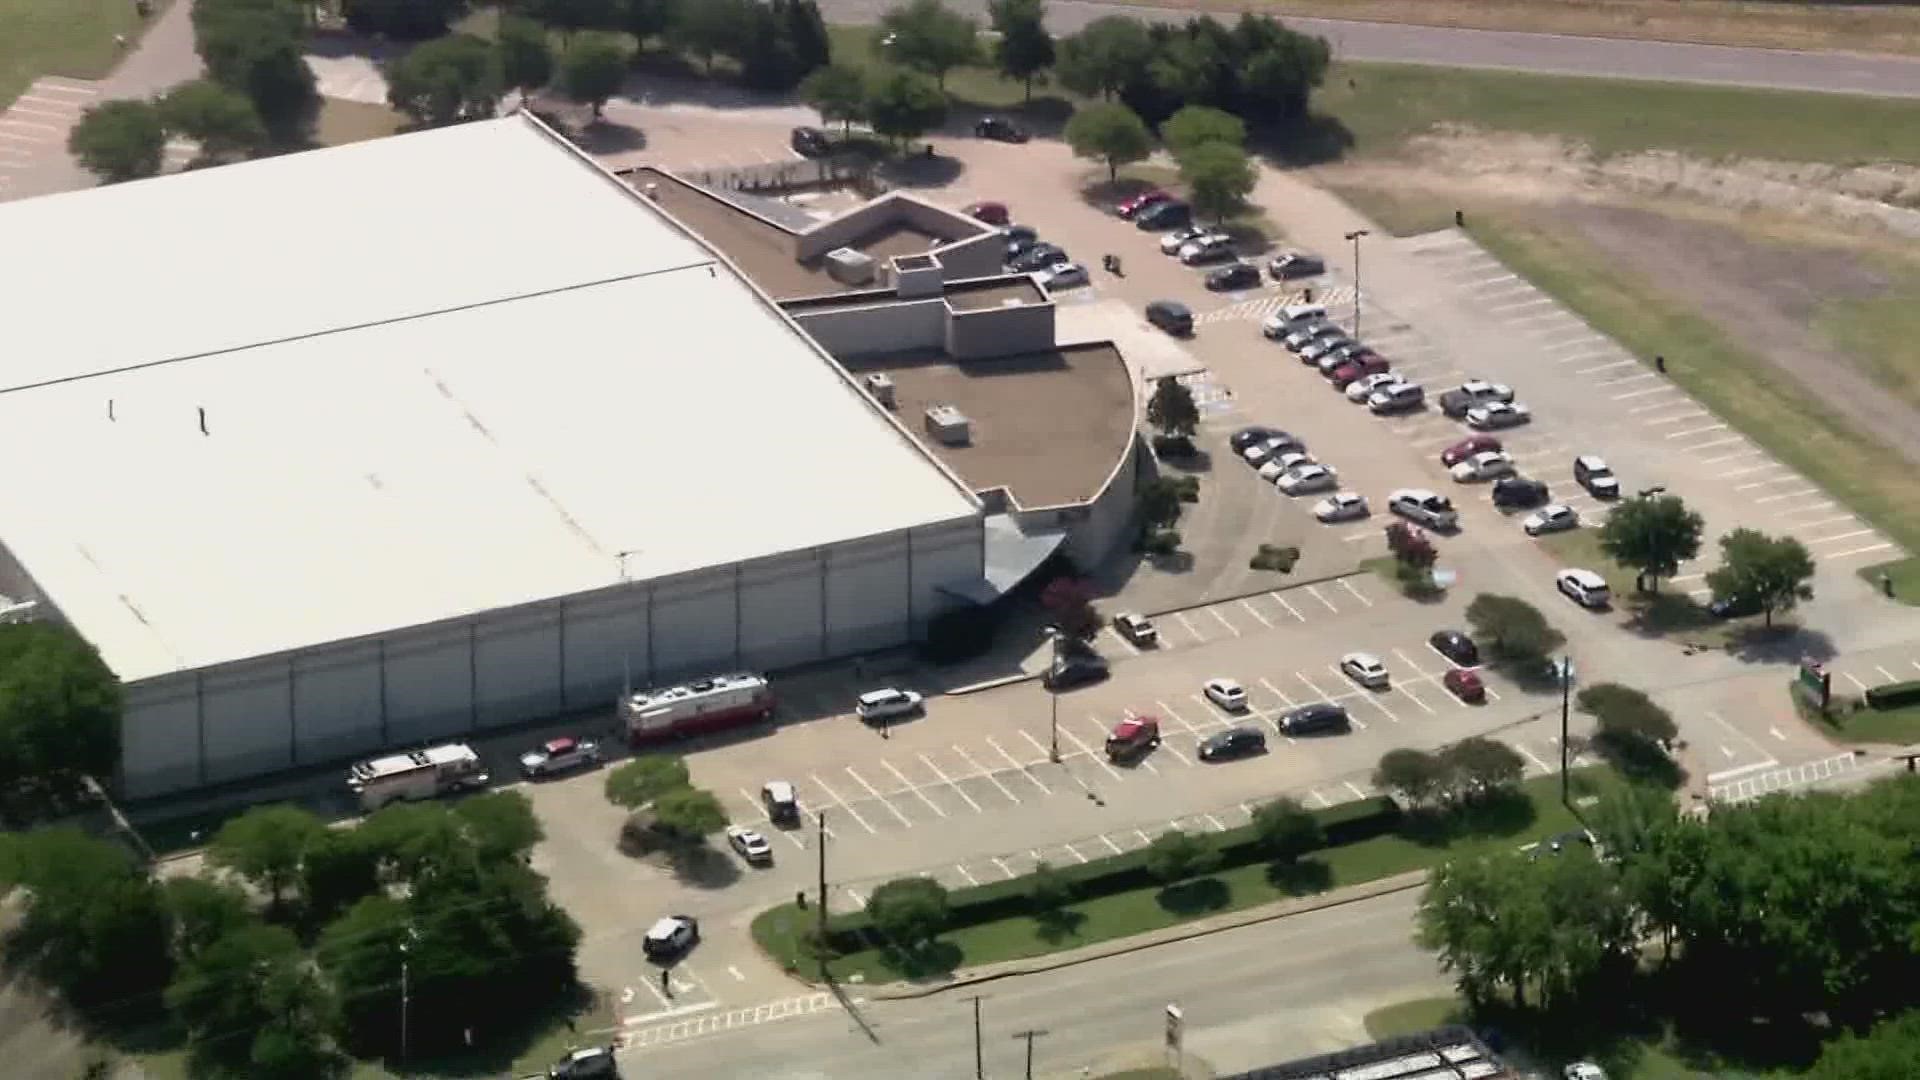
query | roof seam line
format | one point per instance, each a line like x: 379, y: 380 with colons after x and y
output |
x: 144, y: 365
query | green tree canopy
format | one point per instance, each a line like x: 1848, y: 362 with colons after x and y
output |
x: 931, y: 37
x: 1626, y: 712
x: 1160, y: 501
x: 405, y: 20
x: 1277, y: 78
x: 1104, y: 56
x: 265, y: 846
x: 257, y: 47
x: 222, y: 120
x: 1219, y: 177
x: 525, y: 57
x: 903, y: 104
x: 500, y: 824
x: 709, y: 28
x: 1198, y: 125
x: 1047, y: 888
x: 1653, y: 536
x: 1287, y: 829
x: 251, y: 1006
x: 1888, y: 1052
x: 1771, y: 573
x: 648, y: 18
x: 1176, y: 856
x: 838, y: 94
x: 59, y: 707
x: 446, y: 80
x: 688, y: 815
x: 908, y: 912
x: 1109, y: 133
x: 1171, y: 408
x: 341, y: 867
x: 1415, y: 777
x: 119, y: 140
x: 643, y: 779
x: 1024, y: 48
x: 570, y: 16
x: 1480, y: 766
x: 96, y: 926
x: 360, y: 954
x: 1515, y: 628
x: 594, y: 67
x: 202, y: 912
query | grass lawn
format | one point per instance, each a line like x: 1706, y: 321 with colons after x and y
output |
x: 60, y: 37
x: 1905, y: 574
x: 981, y: 87
x: 1139, y: 911
x: 1412, y: 1017
x: 1900, y: 725
x: 1669, y: 611
x: 1736, y: 386
x: 344, y: 122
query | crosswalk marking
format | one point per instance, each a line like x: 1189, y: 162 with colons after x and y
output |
x: 1260, y: 307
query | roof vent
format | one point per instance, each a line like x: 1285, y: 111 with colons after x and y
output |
x: 949, y: 425
x: 850, y: 267
x: 880, y: 386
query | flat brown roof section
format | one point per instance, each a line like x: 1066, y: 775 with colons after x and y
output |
x: 1049, y: 426
x: 989, y: 293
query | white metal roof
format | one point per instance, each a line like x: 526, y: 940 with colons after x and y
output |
x: 488, y: 369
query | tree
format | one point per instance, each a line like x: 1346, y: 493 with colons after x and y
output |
x: 904, y: 104
x: 250, y: 995
x: 96, y: 926
x: 1198, y: 125
x: 646, y: 778
x: 1624, y: 712
x: 119, y: 140
x: 265, y: 846
x: 525, y: 58
x: 594, y: 67
x: 1410, y: 547
x: 908, y: 912
x: 341, y: 867
x: 1515, y: 628
x: 1278, y: 80
x: 709, y: 28
x: 931, y: 37
x: 500, y: 824
x: 1477, y: 767
x: 1414, y: 776
x: 59, y: 708
x: 1110, y: 133
x: 360, y: 953
x: 838, y: 94
x: 1219, y: 177
x: 1287, y: 829
x: 1652, y: 535
x: 1176, y: 856
x: 407, y: 20
x: 446, y: 80
x: 806, y: 32
x: 650, y: 18
x: 257, y: 47
x: 1024, y: 48
x: 1047, y: 889
x: 1756, y: 571
x: 217, y: 117
x: 571, y: 16
x: 1171, y: 408
x: 1886, y: 1053
x: 1159, y: 502
x: 688, y: 815
x: 1068, y: 602
x: 1104, y: 56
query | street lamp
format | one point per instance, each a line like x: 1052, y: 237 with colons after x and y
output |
x: 403, y: 1002
x: 1564, y: 669
x: 1354, y: 238
x: 626, y: 644
x: 1053, y: 695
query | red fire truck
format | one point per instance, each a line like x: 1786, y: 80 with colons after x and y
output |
x: 710, y: 704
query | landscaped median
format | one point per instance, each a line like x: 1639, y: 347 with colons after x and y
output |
x: 1117, y: 897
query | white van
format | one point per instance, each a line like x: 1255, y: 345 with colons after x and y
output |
x: 1302, y: 314
x: 1584, y: 587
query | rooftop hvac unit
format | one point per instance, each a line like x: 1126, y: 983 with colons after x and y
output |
x: 850, y: 267
x: 949, y: 425
x: 880, y: 385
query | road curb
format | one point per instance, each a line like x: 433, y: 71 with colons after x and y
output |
x: 1139, y: 943
x: 990, y: 684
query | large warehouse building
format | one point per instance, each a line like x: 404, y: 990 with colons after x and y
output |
x: 417, y: 437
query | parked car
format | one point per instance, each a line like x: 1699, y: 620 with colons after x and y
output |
x: 1255, y: 435
x: 1495, y: 415
x: 1019, y: 238
x: 1172, y: 316
x: 1345, y: 353
x: 1733, y: 607
x: 1365, y: 669
x: 783, y: 806
x: 1317, y: 350
x: 1360, y: 389
x: 1456, y: 646
x: 1591, y: 472
x: 1424, y: 507
x: 1308, y: 719
x: 1239, y: 275
x: 1307, y: 480
x: 1518, y: 492
x: 1584, y: 1070
x: 1063, y: 275
x: 1357, y: 367
x: 993, y: 213
x: 1137, y: 629
x: 1132, y: 737
x: 1038, y: 257
x: 1225, y: 693
x: 1233, y: 743
x: 1212, y: 247
x: 750, y: 845
x: 1280, y: 464
x: 559, y: 755
x: 1551, y: 519
x: 1396, y: 398
x: 1001, y: 128
x: 1171, y: 243
x: 1483, y: 466
x: 1260, y: 453
x: 1466, y: 448
x: 1296, y: 264
x: 1165, y: 214
x: 1340, y: 506
x: 586, y: 1063
x: 811, y: 142
x: 671, y: 936
x: 1583, y: 587
x: 1465, y: 684
x: 1471, y: 394
x: 1295, y: 340
x: 887, y: 704
x: 1141, y: 201
x: 1075, y: 669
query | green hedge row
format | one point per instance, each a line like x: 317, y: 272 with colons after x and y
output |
x: 1894, y: 694
x: 1345, y: 823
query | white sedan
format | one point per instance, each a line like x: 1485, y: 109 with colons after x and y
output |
x: 1063, y: 275
x: 1225, y: 693
x: 1171, y: 243
x: 1363, y: 387
x: 1340, y: 506
x: 1280, y: 464
x: 1307, y: 479
x: 1498, y: 414
x: 751, y: 845
x: 1555, y: 517
x: 1365, y: 669
x: 1485, y: 465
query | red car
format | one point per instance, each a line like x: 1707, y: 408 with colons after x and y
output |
x: 1465, y: 684
x: 993, y: 213
x: 1141, y: 201
x: 1466, y: 448
x: 1133, y: 737
x: 1358, y: 367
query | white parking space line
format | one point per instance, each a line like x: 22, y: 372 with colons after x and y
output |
x: 1255, y: 612
x: 1741, y: 736
x: 1654, y: 406
x: 1003, y: 867
x: 1215, y: 612
x: 1853, y: 551
x: 1731, y: 455
x: 1097, y: 759
x: 1351, y: 786
x: 1820, y: 507
x: 1117, y: 636
x: 873, y: 791
x: 1746, y: 469
x: 978, y: 771
x: 913, y: 787
x: 1535, y: 758
x: 1787, y: 495
x: 1884, y: 673
x: 1625, y: 379
x: 965, y: 873
x: 947, y: 780
x: 1676, y: 418
x: 1405, y: 688
x: 1609, y: 366
x: 1315, y: 593
x: 1021, y: 769
x: 1751, y: 484
x: 1642, y: 393
x: 842, y: 803
x: 1697, y: 431
x: 1834, y: 520
x: 1842, y: 536
x: 1357, y: 595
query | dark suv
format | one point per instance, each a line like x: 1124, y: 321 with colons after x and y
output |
x: 1320, y: 716
x: 1518, y: 492
x: 1233, y: 743
x: 1172, y: 316
x: 1001, y: 128
x: 811, y: 142
x: 1168, y: 214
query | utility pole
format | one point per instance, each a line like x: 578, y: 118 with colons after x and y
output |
x: 1053, y: 693
x: 820, y: 818
x: 1030, y: 1034
x: 1565, y: 670
x: 403, y: 1008
x: 1354, y: 238
x: 626, y: 647
x: 979, y: 1059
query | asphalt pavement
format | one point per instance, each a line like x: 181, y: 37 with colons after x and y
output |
x: 1557, y: 54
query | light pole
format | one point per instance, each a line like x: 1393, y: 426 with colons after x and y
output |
x: 1030, y: 1035
x: 626, y: 644
x: 1565, y: 670
x: 1053, y: 696
x: 1354, y: 238
x: 404, y: 1002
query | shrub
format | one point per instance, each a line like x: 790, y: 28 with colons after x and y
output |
x: 1161, y: 541
x: 1274, y: 557
x: 1173, y: 446
x: 1894, y: 694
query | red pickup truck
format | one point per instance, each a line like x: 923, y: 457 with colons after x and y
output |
x: 1132, y: 738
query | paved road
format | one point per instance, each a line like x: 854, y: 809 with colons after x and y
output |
x: 1252, y: 996
x: 1846, y: 73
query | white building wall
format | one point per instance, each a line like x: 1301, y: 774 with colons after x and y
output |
x: 602, y: 633
x: 336, y: 701
x: 160, y: 736
x: 693, y: 626
x: 780, y: 612
x: 868, y: 595
x: 429, y: 683
x: 246, y: 716
x: 885, y: 327
x: 517, y: 665
x: 945, y: 556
